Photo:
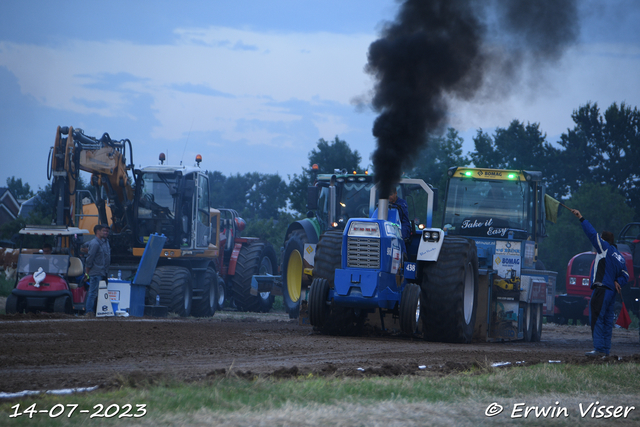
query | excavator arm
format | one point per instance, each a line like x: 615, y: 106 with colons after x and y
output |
x: 105, y: 159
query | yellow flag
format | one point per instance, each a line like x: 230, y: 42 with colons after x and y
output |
x: 551, y: 206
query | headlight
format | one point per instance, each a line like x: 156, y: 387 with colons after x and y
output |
x: 585, y: 282
x: 572, y: 280
x: 430, y: 235
x: 364, y: 229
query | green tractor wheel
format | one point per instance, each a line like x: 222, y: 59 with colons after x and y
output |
x: 293, y: 277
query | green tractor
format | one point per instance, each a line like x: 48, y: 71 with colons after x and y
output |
x: 332, y: 201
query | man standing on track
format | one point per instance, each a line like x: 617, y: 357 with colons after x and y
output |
x: 608, y: 275
x: 97, y: 265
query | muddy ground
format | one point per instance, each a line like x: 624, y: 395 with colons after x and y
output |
x: 47, y: 351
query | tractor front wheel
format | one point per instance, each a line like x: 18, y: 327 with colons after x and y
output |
x: 318, y: 307
x: 293, y: 277
x: 173, y: 284
x: 410, y: 308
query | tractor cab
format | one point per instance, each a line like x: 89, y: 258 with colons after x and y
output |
x: 49, y: 282
x: 338, y: 197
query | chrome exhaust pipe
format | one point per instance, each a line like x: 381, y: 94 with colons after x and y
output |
x: 383, y: 209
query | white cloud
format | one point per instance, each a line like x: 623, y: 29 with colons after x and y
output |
x: 255, y: 70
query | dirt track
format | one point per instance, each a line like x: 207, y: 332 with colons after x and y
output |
x: 39, y: 352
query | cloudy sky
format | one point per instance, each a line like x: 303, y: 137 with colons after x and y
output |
x: 250, y: 84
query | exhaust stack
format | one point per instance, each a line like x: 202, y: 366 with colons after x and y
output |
x: 383, y: 208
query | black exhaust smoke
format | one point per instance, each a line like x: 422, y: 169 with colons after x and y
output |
x: 439, y: 50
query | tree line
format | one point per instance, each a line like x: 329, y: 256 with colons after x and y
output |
x: 591, y: 168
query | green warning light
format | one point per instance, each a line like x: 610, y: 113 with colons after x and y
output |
x: 468, y: 173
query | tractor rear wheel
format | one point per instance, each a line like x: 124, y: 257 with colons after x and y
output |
x: 410, y: 308
x: 293, y: 277
x: 62, y: 304
x: 318, y: 307
x: 253, y: 259
x: 537, y: 323
x: 450, y: 292
x: 328, y: 256
x: 206, y: 306
x: 173, y: 284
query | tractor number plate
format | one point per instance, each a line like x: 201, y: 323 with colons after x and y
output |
x: 409, y: 270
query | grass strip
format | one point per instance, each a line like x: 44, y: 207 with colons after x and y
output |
x: 464, y: 395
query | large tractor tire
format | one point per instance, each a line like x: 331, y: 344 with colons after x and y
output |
x: 410, y: 309
x: 328, y: 256
x: 62, y: 304
x: 253, y: 259
x: 537, y: 323
x: 450, y: 292
x: 206, y: 306
x: 293, y: 277
x: 318, y: 307
x: 173, y: 284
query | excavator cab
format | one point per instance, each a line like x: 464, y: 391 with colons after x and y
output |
x: 173, y: 201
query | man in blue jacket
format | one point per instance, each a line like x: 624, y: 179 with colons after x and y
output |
x: 608, y: 275
x: 403, y: 211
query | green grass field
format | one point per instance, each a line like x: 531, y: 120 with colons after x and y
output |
x: 548, y: 394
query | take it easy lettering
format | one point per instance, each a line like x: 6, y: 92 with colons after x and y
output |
x: 467, y: 223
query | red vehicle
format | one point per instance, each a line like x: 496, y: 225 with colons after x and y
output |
x: 575, y: 303
x: 49, y: 282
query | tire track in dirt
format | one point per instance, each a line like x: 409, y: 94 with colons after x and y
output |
x: 47, y: 351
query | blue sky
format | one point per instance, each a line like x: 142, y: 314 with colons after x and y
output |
x: 250, y: 85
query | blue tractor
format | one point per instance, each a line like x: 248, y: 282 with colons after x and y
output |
x: 382, y: 275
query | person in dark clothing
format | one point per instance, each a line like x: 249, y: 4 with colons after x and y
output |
x: 97, y: 264
x: 608, y: 275
x: 403, y: 210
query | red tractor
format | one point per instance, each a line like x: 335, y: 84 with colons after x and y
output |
x: 50, y: 282
x: 575, y: 303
